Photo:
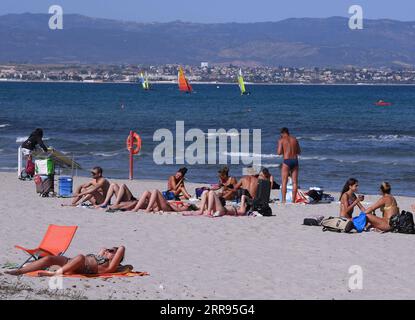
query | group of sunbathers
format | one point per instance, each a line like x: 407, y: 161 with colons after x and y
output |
x: 102, y: 194
x: 387, y: 204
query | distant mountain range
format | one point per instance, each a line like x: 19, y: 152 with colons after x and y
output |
x: 26, y: 38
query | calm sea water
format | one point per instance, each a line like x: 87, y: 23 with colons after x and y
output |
x: 341, y: 132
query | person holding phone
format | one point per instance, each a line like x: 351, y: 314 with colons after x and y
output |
x: 349, y: 200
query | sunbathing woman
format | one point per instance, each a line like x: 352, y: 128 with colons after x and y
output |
x: 387, y: 205
x: 121, y: 193
x: 348, y: 199
x: 212, y: 205
x: 106, y: 261
x: 154, y: 202
x: 226, y: 183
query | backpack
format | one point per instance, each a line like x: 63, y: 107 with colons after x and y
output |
x: 337, y: 224
x: 402, y: 223
x: 313, y: 221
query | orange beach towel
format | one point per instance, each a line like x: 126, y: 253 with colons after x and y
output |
x: 127, y: 272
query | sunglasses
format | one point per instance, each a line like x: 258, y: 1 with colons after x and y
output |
x: 94, y: 173
x: 113, y: 250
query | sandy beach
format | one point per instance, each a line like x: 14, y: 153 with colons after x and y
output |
x: 202, y: 258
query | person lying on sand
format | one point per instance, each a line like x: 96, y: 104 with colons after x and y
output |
x: 154, y: 202
x: 348, y: 199
x: 94, y: 191
x: 176, y: 185
x: 122, y: 195
x: 212, y: 205
x: 387, y: 205
x: 106, y: 261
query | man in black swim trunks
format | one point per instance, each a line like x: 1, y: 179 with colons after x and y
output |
x: 289, y: 148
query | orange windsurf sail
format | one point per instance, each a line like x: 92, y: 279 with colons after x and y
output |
x: 184, y: 85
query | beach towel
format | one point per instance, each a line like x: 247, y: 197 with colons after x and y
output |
x: 126, y: 272
x: 359, y: 222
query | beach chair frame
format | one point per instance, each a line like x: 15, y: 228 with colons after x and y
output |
x: 52, y: 232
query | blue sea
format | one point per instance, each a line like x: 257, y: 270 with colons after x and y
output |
x: 341, y: 132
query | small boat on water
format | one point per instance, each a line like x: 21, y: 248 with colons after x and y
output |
x: 184, y: 84
x: 382, y: 103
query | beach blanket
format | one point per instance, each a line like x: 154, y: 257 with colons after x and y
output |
x: 126, y: 272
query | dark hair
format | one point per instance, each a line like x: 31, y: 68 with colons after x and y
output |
x: 224, y: 171
x: 284, y: 130
x: 385, y: 187
x: 182, y: 171
x: 98, y: 169
x: 347, y: 185
x: 265, y: 172
x: 38, y: 132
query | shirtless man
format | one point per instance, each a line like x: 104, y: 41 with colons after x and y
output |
x: 175, y: 184
x: 289, y: 147
x: 94, y: 191
x: 249, y: 183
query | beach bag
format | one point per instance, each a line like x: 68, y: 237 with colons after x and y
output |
x: 168, y: 195
x: 44, y: 185
x: 263, y: 208
x: 337, y: 224
x: 402, y: 223
x: 29, y: 171
x: 359, y: 222
x: 199, y: 191
x: 44, y: 167
x: 313, y: 221
x: 315, y: 195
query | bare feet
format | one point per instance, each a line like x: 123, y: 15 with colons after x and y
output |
x: 13, y: 272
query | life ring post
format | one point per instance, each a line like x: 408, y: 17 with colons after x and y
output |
x: 131, y: 156
x: 133, y: 147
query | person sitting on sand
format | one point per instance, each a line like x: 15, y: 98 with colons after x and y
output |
x: 175, y: 184
x: 94, y: 191
x: 212, y: 205
x: 154, y: 202
x: 106, y: 261
x: 248, y: 184
x: 348, y: 199
x: 226, y: 183
x: 122, y: 195
x: 387, y: 205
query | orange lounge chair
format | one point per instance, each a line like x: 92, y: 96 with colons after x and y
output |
x: 55, y: 242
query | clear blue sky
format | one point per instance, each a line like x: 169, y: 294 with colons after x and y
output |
x: 215, y: 10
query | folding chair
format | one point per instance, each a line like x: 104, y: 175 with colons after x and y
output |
x: 55, y: 242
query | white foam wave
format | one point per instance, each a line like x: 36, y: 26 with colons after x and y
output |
x: 4, y: 125
x: 253, y: 155
x: 23, y: 139
x: 105, y: 154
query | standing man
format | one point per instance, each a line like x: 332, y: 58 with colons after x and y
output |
x: 289, y: 147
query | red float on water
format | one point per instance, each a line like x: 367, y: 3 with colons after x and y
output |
x: 382, y: 103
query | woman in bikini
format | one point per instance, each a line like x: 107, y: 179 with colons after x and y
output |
x: 226, y: 183
x: 387, y: 205
x: 348, y: 199
x: 122, y: 195
x: 212, y: 205
x: 106, y: 261
x: 154, y: 202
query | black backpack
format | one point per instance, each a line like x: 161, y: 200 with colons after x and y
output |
x: 403, y: 223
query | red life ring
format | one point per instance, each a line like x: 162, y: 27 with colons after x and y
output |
x: 134, y: 141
